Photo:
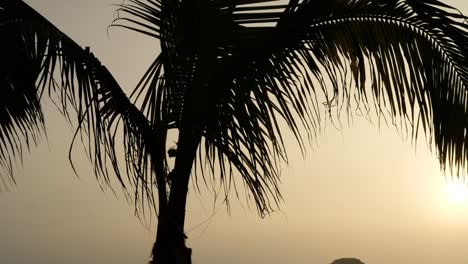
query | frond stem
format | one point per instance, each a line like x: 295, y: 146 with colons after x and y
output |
x: 386, y: 19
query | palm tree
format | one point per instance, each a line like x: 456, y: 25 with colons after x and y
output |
x: 231, y: 77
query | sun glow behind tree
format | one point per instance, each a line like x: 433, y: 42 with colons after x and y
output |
x: 457, y: 191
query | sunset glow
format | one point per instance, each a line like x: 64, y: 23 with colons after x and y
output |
x: 457, y: 191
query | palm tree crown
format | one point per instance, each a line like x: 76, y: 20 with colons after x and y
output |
x: 235, y: 72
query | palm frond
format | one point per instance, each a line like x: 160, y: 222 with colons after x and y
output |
x: 412, y: 54
x: 195, y: 79
x: 239, y: 69
x: 140, y: 16
x: 37, y: 59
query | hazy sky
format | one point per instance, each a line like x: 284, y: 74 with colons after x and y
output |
x: 362, y: 192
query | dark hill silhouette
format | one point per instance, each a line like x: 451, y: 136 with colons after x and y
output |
x: 347, y: 261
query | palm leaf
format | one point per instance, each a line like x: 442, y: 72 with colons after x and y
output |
x: 412, y: 54
x: 239, y: 69
x: 36, y: 58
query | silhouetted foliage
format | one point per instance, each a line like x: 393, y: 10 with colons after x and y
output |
x: 230, y: 74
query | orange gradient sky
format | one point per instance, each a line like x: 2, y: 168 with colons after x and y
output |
x: 361, y: 192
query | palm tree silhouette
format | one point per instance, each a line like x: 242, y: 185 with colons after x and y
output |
x: 231, y: 77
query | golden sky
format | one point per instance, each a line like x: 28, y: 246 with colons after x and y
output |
x: 361, y: 192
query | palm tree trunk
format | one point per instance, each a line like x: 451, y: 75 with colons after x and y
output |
x: 169, y: 247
